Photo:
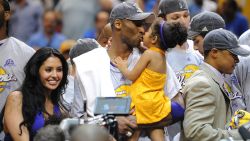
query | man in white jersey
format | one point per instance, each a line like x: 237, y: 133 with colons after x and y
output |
x: 127, y: 22
x: 14, y: 54
x: 242, y: 70
x: 183, y: 59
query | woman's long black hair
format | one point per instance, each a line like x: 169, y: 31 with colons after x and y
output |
x: 33, y: 91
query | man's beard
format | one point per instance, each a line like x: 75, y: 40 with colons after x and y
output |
x: 129, y: 43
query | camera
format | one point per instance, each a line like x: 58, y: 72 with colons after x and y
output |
x: 106, y: 109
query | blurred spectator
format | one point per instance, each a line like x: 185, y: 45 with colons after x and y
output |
x: 77, y: 16
x: 82, y: 46
x: 65, y: 47
x: 49, y: 4
x: 50, y: 133
x: 235, y: 21
x: 197, y: 6
x: 148, y: 5
x: 88, y: 132
x: 59, y: 23
x: 210, y: 5
x: 48, y: 37
x: 25, y: 19
x: 101, y: 19
x: 105, y: 36
x: 106, y: 5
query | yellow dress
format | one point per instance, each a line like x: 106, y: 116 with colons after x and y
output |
x: 147, y: 93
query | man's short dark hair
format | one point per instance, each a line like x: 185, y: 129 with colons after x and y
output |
x: 206, y: 52
x: 82, y: 46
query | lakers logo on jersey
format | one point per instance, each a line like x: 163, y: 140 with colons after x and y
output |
x: 122, y: 90
x: 2, y: 83
x: 189, y: 70
x: 5, y: 78
x: 186, y: 73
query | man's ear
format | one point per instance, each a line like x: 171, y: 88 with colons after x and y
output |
x: 214, y: 53
x: 118, y: 24
x: 7, y: 15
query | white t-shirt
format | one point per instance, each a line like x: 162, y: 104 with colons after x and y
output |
x: 14, y: 54
x: 68, y: 96
x: 242, y: 73
x: 184, y: 62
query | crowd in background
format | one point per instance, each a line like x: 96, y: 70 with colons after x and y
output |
x: 41, y: 23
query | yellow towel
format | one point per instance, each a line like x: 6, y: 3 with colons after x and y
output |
x: 240, y: 117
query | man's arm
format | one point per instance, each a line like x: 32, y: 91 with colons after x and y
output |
x: 200, y: 102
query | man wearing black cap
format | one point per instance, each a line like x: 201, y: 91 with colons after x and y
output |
x: 127, y: 24
x: 14, y: 55
x: 183, y: 59
x: 206, y: 95
x: 201, y: 24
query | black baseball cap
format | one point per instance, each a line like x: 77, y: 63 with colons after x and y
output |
x: 224, y: 39
x: 130, y: 11
x: 205, y: 22
x: 170, y: 6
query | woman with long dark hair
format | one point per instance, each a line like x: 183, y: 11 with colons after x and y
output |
x: 28, y: 109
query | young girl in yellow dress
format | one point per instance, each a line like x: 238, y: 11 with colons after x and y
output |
x: 153, y: 108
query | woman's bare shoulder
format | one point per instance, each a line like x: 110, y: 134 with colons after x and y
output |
x: 15, y: 97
